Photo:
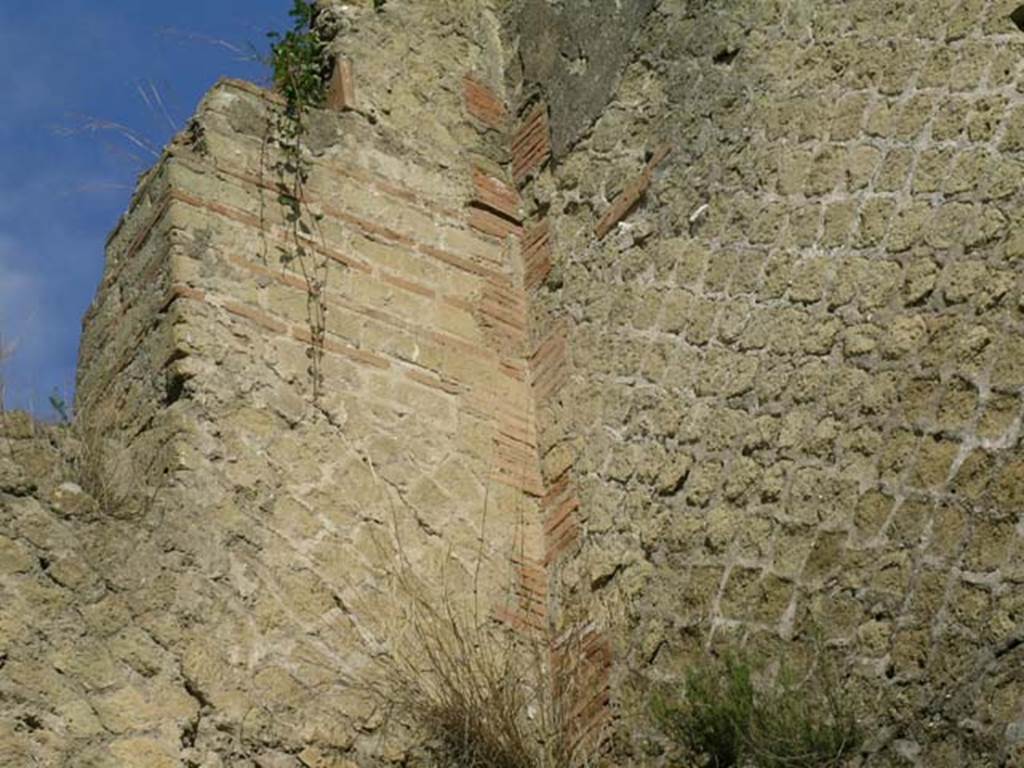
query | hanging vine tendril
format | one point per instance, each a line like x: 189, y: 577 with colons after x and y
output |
x: 299, y: 62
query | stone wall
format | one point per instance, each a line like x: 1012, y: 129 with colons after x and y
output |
x: 47, y: 588
x: 665, y: 331
x: 573, y: 56
x: 795, y: 404
x: 256, y: 541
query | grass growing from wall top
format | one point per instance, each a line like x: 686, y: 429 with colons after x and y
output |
x: 725, y: 717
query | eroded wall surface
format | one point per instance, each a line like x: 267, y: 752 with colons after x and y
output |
x: 776, y: 405
x: 574, y: 54
x: 246, y: 539
x: 798, y: 362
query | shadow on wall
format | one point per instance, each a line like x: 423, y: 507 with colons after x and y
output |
x: 576, y: 57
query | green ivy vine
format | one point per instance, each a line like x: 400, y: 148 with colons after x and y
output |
x: 301, y: 71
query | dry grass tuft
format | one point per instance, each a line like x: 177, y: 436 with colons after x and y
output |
x: 480, y: 694
x: 104, y: 469
x: 464, y: 686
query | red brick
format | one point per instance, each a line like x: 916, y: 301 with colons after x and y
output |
x: 490, y: 223
x: 372, y: 180
x: 493, y: 311
x: 537, y: 255
x: 531, y: 144
x: 567, y: 538
x: 435, y: 382
x: 345, y: 350
x: 465, y: 347
x: 629, y: 196
x: 531, y: 156
x: 249, y: 219
x: 560, y: 516
x: 245, y: 85
x: 483, y: 104
x: 408, y: 285
x: 517, y: 473
x: 514, y: 369
x: 256, y: 316
x: 557, y: 489
x: 525, y: 436
x: 461, y: 262
x: 459, y: 303
x: 495, y: 194
x: 552, y: 347
x: 536, y: 119
x: 518, y: 620
x: 532, y: 572
x: 549, y: 366
x: 341, y: 92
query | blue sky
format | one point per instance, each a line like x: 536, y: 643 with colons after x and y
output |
x: 66, y: 68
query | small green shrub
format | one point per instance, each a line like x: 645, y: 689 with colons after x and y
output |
x: 60, y: 406
x: 299, y: 61
x: 726, y: 718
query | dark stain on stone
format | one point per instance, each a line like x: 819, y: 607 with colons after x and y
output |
x: 725, y: 56
x: 1017, y: 17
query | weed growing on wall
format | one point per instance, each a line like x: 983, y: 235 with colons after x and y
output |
x: 298, y: 59
x: 481, y: 694
x: 478, y: 694
x: 725, y: 717
x: 60, y: 406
